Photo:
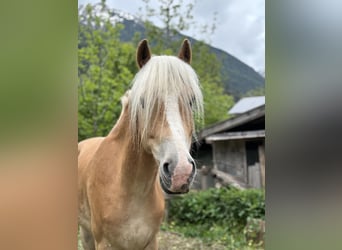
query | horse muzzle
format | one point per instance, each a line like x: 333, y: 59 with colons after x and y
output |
x: 177, y: 178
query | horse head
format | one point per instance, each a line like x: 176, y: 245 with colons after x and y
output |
x: 164, y: 99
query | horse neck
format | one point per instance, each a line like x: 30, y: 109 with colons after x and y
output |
x: 136, y: 169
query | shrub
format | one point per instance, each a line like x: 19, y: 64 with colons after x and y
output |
x: 227, y: 208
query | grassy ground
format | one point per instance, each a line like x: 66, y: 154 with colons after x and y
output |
x: 175, y: 241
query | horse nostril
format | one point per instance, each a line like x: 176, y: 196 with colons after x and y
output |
x: 193, y: 166
x: 166, y: 168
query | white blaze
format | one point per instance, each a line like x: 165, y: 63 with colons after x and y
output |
x: 182, y: 144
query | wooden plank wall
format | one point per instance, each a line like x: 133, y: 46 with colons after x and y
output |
x: 230, y: 157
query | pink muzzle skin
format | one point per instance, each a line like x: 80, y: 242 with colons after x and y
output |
x: 182, y: 176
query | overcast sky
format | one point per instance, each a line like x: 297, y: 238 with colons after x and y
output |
x: 240, y: 27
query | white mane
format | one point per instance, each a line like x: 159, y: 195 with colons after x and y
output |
x: 160, y: 78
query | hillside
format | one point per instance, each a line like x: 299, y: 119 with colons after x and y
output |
x: 238, y: 77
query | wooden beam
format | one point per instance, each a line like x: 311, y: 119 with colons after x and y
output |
x: 224, y: 178
x: 236, y: 136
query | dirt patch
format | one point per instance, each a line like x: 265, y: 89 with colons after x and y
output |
x: 175, y: 241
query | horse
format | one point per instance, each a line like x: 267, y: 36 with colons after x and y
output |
x: 123, y: 177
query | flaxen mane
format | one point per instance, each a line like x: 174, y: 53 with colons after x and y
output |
x: 161, y: 77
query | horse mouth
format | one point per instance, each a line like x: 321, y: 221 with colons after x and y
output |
x: 166, y: 190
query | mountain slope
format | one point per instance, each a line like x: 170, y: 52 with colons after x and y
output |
x: 238, y: 77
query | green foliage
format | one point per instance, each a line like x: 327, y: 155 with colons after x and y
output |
x: 255, y: 231
x: 218, y: 205
x: 216, y: 214
x: 106, y: 68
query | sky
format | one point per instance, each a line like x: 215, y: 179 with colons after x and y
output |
x: 240, y: 25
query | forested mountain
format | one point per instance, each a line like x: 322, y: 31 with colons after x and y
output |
x: 238, y: 77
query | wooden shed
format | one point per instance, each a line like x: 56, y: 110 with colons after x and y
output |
x: 233, y: 151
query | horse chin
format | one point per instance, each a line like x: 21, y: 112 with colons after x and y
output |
x: 166, y: 190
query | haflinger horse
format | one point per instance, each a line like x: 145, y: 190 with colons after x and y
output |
x: 123, y: 176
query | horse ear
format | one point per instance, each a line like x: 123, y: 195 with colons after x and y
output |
x: 185, y: 51
x: 143, y: 53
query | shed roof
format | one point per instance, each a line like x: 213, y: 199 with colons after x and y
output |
x: 247, y: 103
x: 233, y: 122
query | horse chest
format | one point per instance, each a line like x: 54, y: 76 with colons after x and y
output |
x: 134, y: 232
x: 137, y: 230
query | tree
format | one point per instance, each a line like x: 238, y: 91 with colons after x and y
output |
x: 106, y: 68
x: 177, y: 17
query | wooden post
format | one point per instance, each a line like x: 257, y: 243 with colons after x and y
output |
x: 204, y: 171
x: 261, y: 151
x: 254, y: 176
x: 204, y: 184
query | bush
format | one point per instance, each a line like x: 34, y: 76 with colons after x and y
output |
x: 225, y: 206
x: 216, y: 214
